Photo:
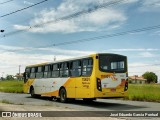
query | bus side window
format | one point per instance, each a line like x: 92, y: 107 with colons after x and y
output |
x: 33, y: 74
x: 65, y: 70
x: 46, y: 68
x: 49, y: 71
x: 55, y: 72
x: 87, y: 65
x: 75, y: 68
x: 61, y: 69
x: 27, y: 73
x: 39, y: 73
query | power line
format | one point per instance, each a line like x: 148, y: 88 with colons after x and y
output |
x: 109, y: 35
x: 6, y: 2
x: 96, y: 7
x: 92, y: 38
x: 76, y: 14
x: 23, y: 9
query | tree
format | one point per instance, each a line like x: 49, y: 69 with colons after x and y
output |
x: 151, y: 77
x: 9, y: 77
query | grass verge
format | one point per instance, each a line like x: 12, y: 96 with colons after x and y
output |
x: 144, y: 92
x: 11, y: 86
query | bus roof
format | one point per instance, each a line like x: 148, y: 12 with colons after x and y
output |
x: 60, y: 61
x: 76, y: 58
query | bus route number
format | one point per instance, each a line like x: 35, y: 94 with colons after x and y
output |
x: 86, y: 82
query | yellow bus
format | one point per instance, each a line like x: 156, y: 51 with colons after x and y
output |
x: 101, y: 75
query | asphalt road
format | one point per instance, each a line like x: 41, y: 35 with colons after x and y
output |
x: 80, y: 105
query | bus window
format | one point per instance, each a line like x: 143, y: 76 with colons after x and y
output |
x: 75, y: 68
x: 112, y: 63
x: 55, y: 72
x: 27, y: 70
x: 39, y: 73
x: 117, y: 65
x: 33, y: 74
x: 46, y: 68
x: 87, y: 67
x: 64, y: 69
x: 27, y: 73
x: 49, y: 71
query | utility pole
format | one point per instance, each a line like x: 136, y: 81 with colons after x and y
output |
x: 19, y: 71
x: 54, y: 58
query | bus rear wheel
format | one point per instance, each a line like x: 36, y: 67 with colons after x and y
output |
x: 63, y: 95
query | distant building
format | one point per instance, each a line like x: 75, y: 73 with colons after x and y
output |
x: 17, y: 76
x: 137, y: 79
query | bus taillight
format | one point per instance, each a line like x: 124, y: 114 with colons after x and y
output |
x: 99, y: 87
x: 126, y: 85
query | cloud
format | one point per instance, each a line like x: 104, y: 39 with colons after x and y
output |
x: 147, y: 54
x: 134, y: 50
x: 27, y: 3
x: 137, y: 64
x: 150, y: 5
x: 139, y: 69
x: 47, y: 50
x: 68, y: 52
x: 10, y: 61
x: 102, y: 19
x: 156, y: 33
x: 13, y: 56
x: 20, y: 27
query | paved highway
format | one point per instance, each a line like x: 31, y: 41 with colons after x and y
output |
x: 98, y: 105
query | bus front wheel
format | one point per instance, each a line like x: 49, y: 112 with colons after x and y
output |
x: 32, y: 92
x: 63, y: 95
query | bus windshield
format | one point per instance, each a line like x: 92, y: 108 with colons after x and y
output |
x: 112, y: 63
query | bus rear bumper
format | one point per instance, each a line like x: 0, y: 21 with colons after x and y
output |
x: 112, y: 95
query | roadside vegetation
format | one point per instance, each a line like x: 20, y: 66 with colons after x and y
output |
x: 144, y: 92
x: 11, y: 86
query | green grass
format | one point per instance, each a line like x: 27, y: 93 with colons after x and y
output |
x: 144, y: 92
x: 11, y: 86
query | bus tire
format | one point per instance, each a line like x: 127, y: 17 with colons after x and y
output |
x: 32, y: 92
x: 63, y: 95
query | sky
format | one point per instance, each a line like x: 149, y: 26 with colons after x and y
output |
x: 22, y: 46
